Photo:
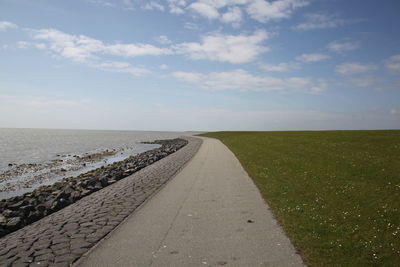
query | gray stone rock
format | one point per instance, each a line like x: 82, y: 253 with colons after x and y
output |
x: 17, y: 205
x: 48, y: 199
x: 13, y: 223
x: 98, y: 186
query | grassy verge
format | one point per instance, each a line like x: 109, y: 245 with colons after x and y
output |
x: 336, y: 193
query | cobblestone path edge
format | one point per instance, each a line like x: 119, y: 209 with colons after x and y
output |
x: 63, y: 237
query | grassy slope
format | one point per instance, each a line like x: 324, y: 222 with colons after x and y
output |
x: 336, y: 193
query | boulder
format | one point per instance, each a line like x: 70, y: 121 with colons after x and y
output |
x: 111, y: 181
x: 103, y: 181
x: 75, y: 196
x: 9, y: 213
x: 33, y: 216
x: 98, y: 185
x: 59, y: 204
x: 63, y: 195
x: 42, y: 208
x: 17, y: 205
x: 85, y: 192
x: 25, y: 210
x: 2, y: 219
x: 13, y: 223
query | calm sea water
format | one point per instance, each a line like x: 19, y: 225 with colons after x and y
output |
x: 18, y: 146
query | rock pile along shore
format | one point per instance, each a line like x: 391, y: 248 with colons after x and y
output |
x: 19, y: 211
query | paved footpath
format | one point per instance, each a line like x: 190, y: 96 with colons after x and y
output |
x: 64, y: 236
x: 210, y: 214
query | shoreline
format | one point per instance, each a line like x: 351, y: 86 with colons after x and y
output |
x: 19, y: 211
x: 19, y: 179
x: 24, y: 146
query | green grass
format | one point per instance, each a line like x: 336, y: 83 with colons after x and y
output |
x: 336, y: 193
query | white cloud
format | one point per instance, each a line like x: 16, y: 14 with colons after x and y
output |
x: 41, y: 46
x: 322, y: 21
x: 152, y: 5
x: 221, y: 4
x: 81, y: 48
x: 134, y: 50
x: 305, y: 85
x: 233, y: 15
x: 123, y: 67
x: 102, y: 3
x: 312, y: 57
x: 351, y: 68
x: 231, y: 11
x: 224, y: 3
x: 78, y: 48
x: 227, y: 11
x: 4, y: 25
x: 232, y: 80
x: 343, y: 46
x: 241, y: 80
x: 177, y: 6
x: 226, y: 48
x: 190, y: 77
x: 123, y: 4
x: 264, y: 11
x: 210, y: 9
x: 24, y: 45
x: 204, y: 10
x: 191, y: 26
x: 162, y: 39
x: 393, y: 64
x: 281, y: 67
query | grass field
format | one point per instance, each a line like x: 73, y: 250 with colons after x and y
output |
x: 336, y: 193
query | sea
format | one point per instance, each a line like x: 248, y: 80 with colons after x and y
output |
x: 26, y: 153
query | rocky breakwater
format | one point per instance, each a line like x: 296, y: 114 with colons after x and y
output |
x: 16, y: 212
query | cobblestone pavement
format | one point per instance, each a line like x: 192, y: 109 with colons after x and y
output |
x: 63, y: 237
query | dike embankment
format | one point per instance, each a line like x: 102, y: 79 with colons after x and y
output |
x: 64, y: 220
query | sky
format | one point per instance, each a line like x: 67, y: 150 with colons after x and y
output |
x: 200, y: 65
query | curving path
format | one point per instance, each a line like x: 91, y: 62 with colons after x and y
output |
x: 210, y: 214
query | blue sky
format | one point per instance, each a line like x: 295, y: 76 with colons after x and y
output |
x: 200, y: 64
